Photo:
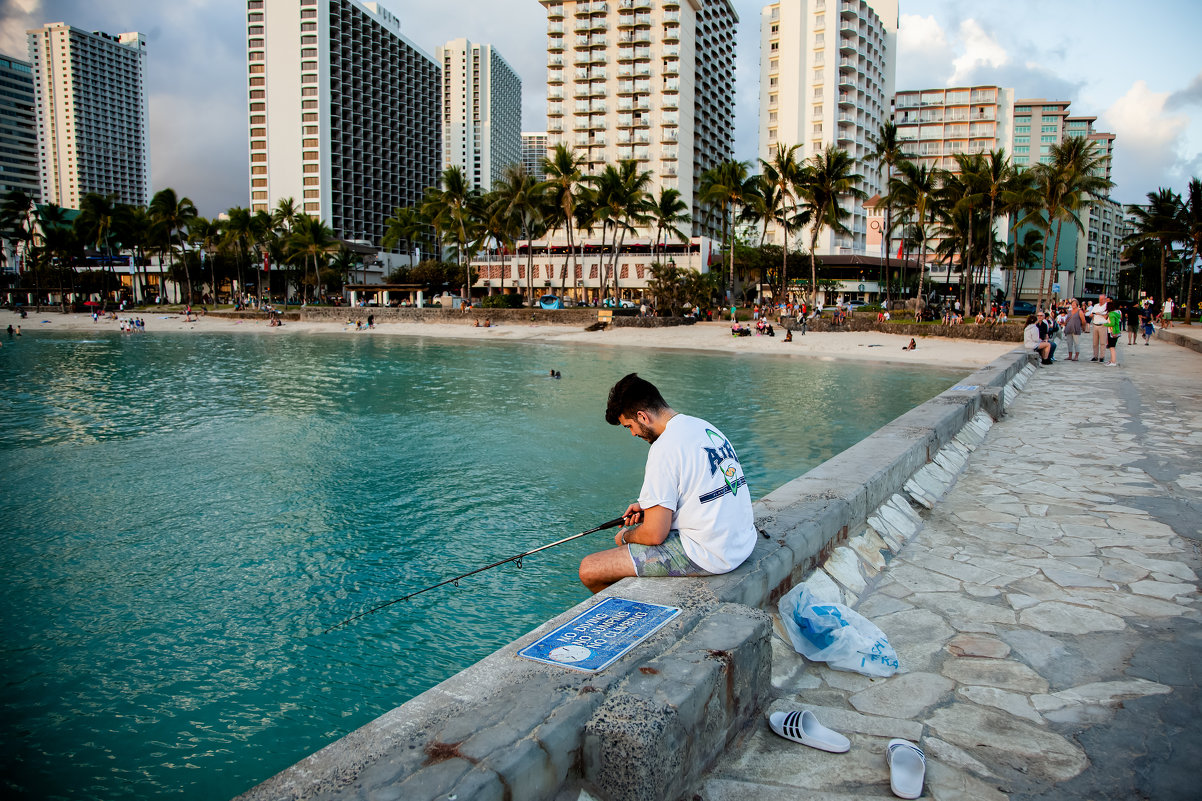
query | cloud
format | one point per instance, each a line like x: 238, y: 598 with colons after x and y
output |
x: 980, y: 51
x: 1147, y: 148
x: 1189, y: 96
x: 16, y: 17
x: 923, y: 58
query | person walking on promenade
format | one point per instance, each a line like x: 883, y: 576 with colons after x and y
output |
x: 1098, y: 319
x: 1114, y: 319
x: 1145, y: 321
x: 1131, y: 320
x: 693, y: 516
x: 1166, y: 314
x: 1074, y: 326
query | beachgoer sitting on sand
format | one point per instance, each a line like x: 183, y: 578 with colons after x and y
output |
x: 912, y: 346
x: 789, y: 335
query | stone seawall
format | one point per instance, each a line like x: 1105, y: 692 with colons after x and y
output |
x: 648, y: 726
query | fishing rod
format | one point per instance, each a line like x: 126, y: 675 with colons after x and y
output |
x: 617, y: 521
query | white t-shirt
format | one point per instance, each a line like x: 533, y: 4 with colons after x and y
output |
x: 1098, y: 314
x: 693, y: 470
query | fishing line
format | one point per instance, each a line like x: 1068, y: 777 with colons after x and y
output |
x: 617, y: 521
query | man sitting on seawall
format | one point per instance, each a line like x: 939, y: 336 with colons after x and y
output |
x: 693, y: 516
x: 1031, y: 340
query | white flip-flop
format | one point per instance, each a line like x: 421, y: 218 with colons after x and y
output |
x: 907, y: 768
x: 803, y: 727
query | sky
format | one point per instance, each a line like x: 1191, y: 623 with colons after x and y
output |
x: 1135, y: 66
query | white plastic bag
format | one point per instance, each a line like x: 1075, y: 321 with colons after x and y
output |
x: 835, y: 634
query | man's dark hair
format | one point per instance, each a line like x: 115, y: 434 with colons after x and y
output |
x: 632, y: 395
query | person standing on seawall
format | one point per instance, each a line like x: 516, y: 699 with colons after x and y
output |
x: 1099, y: 319
x: 693, y: 516
x: 1074, y: 326
x: 1114, y: 320
x: 1131, y: 321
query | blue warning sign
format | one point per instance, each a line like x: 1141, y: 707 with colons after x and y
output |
x: 599, y: 636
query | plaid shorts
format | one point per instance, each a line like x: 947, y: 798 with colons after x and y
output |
x: 667, y: 559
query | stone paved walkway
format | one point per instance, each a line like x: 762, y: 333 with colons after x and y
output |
x: 1046, y: 616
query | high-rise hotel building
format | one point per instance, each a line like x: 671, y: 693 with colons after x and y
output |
x: 937, y: 124
x: 534, y: 152
x: 649, y: 80
x: 343, y: 112
x: 481, y: 111
x: 826, y: 77
x: 1040, y: 124
x: 92, y: 115
x: 18, y: 129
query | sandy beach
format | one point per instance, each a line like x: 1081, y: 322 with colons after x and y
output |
x: 852, y: 345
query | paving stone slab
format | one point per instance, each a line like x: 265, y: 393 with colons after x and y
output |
x: 963, y: 613
x: 1163, y: 590
x: 1012, y: 703
x: 917, y: 635
x: 1000, y: 673
x: 903, y: 696
x: 946, y: 783
x: 1069, y: 618
x: 1073, y: 578
x: 997, y: 738
x: 978, y: 646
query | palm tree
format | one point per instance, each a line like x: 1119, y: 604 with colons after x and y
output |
x: 97, y: 216
x: 621, y: 205
x: 267, y: 242
x: 450, y: 208
x: 668, y: 212
x: 405, y: 225
x: 17, y: 216
x: 887, y: 151
x: 132, y: 227
x: 915, y: 191
x: 1191, y: 214
x: 1024, y: 255
x: 60, y: 246
x: 827, y: 178
x: 285, y: 214
x: 1022, y: 202
x: 311, y: 239
x: 518, y: 196
x: 1159, y: 221
x: 994, y: 180
x: 206, y: 235
x: 1073, y: 176
x: 240, y: 233
x: 171, y: 215
x: 725, y: 186
x: 563, y: 185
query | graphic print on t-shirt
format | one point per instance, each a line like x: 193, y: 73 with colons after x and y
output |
x: 722, y: 459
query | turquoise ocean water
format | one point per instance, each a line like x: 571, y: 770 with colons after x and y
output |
x: 182, y: 516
